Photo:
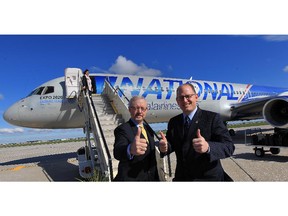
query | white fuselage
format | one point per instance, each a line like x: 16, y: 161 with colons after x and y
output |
x: 48, y: 107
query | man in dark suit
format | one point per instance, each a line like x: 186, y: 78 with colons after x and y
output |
x: 199, y: 138
x: 134, y: 148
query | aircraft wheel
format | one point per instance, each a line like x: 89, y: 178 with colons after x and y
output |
x: 275, y: 150
x: 232, y: 132
x: 259, y: 152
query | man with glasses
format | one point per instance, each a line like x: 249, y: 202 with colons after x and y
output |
x: 199, y: 138
x: 134, y: 146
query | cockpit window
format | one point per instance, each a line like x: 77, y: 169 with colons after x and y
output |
x: 42, y: 90
x: 37, y: 91
x: 48, y: 90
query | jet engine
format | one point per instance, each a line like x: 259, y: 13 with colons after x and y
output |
x: 275, y: 112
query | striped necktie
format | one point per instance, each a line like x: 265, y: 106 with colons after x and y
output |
x: 144, y: 132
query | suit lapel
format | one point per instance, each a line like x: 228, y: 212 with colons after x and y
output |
x: 150, y: 137
x: 133, y: 127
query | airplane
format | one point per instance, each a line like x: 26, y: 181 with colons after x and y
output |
x: 50, y: 105
x: 56, y: 104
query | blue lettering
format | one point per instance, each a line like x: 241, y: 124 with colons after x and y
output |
x: 100, y: 81
x: 232, y: 93
x: 155, y: 87
x: 199, y: 87
x: 226, y: 92
x: 150, y: 90
x: 128, y: 85
x: 171, y: 87
x: 209, y: 89
x: 139, y: 85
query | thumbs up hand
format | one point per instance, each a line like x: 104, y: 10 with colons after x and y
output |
x: 163, y: 144
x: 199, y: 143
x: 139, y: 145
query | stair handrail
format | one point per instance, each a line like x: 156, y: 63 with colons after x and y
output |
x: 104, y: 142
x: 118, y: 104
x: 98, y: 136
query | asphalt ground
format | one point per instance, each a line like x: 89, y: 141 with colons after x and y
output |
x: 245, y: 166
x: 58, y: 163
x: 42, y: 163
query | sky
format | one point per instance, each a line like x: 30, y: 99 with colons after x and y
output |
x: 27, y: 61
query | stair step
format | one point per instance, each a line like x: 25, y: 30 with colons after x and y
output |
x: 109, y: 121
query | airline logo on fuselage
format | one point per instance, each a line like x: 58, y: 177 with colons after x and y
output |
x: 166, y: 88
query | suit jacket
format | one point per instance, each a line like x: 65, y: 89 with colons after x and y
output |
x: 193, y: 166
x: 140, y: 168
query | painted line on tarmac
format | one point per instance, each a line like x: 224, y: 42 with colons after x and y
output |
x: 17, y: 168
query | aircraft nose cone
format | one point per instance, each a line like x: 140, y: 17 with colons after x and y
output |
x: 11, y: 115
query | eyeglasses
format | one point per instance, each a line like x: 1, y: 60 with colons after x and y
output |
x: 142, y: 109
x: 185, y: 96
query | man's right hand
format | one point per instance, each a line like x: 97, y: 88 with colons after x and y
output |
x: 139, y: 145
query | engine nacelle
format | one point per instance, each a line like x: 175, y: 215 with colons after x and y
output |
x: 275, y: 112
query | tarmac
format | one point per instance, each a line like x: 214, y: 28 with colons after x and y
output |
x: 40, y: 163
x: 58, y: 162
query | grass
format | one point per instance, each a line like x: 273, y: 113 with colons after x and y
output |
x: 97, y: 177
x: 247, y: 124
x: 41, y: 142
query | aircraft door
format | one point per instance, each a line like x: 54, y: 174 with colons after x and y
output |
x: 72, y: 82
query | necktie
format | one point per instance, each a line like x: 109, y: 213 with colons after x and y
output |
x: 186, y: 125
x: 144, y: 132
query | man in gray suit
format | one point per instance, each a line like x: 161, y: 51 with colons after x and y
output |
x: 199, y: 138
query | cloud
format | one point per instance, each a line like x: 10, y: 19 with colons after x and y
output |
x: 1, y: 97
x: 277, y: 38
x: 125, y: 66
x: 95, y: 69
x: 285, y: 69
x: 11, y: 130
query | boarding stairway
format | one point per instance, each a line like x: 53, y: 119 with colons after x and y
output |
x: 100, y: 122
